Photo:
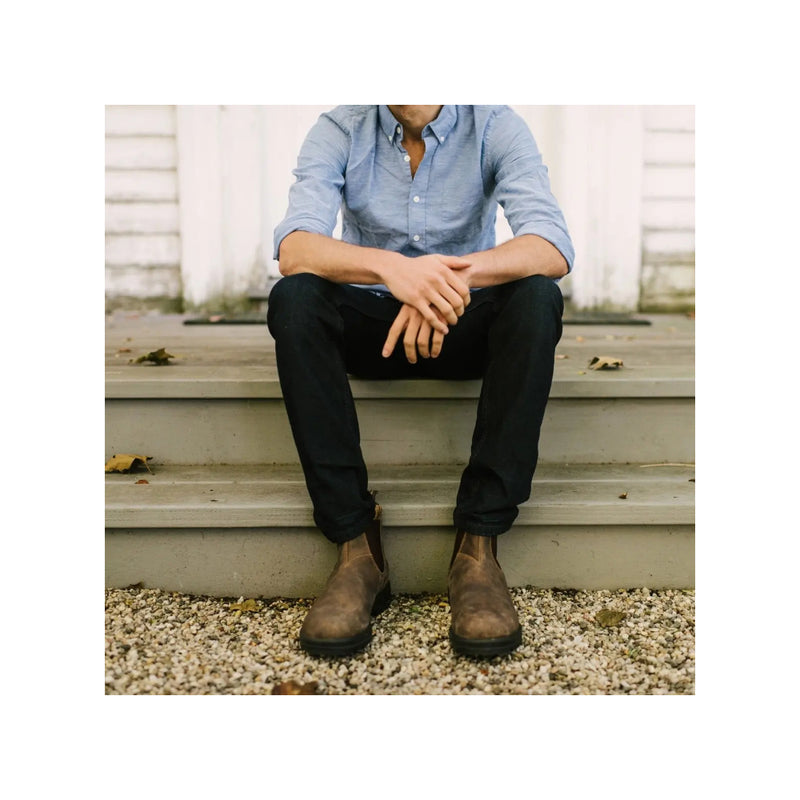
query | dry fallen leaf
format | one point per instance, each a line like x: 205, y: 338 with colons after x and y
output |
x: 562, y: 355
x: 605, y: 362
x: 142, y: 481
x: 293, y: 687
x: 158, y: 357
x: 246, y: 605
x: 623, y: 496
x: 127, y: 463
x: 608, y: 618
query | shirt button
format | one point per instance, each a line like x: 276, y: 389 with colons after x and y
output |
x: 399, y: 129
x: 416, y: 237
x: 406, y: 158
x: 441, y: 139
x: 416, y: 199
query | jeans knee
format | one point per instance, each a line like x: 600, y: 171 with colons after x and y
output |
x: 541, y: 290
x: 533, y: 308
x: 536, y: 297
x: 296, y: 300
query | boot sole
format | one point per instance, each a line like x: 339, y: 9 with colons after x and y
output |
x: 345, y: 646
x: 486, y: 648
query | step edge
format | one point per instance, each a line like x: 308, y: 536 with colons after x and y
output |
x: 191, y: 388
x: 589, y: 515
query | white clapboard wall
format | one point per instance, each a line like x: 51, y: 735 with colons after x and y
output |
x: 668, y: 219
x: 142, y: 230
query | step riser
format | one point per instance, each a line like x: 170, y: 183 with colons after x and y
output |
x: 262, y: 562
x: 397, y: 431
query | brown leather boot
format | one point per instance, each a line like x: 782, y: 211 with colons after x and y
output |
x: 484, y: 620
x: 339, y: 621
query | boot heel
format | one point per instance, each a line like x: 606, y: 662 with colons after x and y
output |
x: 382, y: 600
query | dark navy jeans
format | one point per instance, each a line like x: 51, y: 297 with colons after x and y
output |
x: 507, y: 336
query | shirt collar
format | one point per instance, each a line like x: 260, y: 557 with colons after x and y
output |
x: 441, y: 126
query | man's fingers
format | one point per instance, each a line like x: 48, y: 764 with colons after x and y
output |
x: 410, y: 339
x: 455, y: 283
x: 419, y: 337
x: 454, y: 262
x: 440, y: 297
x: 436, y: 344
x: 445, y: 309
x: 437, y: 323
x: 398, y: 326
x: 455, y: 300
x: 424, y: 340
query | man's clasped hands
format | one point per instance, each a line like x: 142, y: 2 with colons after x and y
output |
x: 435, y: 293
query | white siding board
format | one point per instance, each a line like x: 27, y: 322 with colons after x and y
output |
x: 668, y: 182
x: 141, y: 152
x: 668, y: 241
x: 163, y: 281
x: 140, y: 120
x: 669, y: 147
x: 668, y: 214
x: 668, y: 286
x: 146, y: 185
x: 142, y: 229
x: 142, y: 218
x: 665, y: 245
x: 662, y: 278
x: 142, y: 251
x: 669, y: 118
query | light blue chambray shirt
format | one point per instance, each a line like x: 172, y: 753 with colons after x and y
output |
x: 475, y: 157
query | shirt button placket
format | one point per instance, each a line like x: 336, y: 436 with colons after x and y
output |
x: 416, y: 217
x: 416, y: 211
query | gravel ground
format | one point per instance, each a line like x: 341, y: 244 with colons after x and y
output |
x: 167, y: 643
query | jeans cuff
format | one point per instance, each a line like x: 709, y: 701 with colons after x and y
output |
x: 348, y: 527
x: 479, y: 527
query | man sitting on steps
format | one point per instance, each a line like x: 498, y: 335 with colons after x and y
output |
x: 418, y: 188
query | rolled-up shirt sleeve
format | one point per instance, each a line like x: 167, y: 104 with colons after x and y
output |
x: 522, y: 183
x: 316, y: 195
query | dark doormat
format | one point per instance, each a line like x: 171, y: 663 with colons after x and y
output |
x: 259, y: 318
x: 604, y: 319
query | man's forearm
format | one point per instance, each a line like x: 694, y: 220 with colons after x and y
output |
x: 517, y: 258
x: 335, y: 260
x: 426, y: 282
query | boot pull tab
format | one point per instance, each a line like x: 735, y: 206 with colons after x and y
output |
x: 378, y: 509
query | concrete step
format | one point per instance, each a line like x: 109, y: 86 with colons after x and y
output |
x: 219, y: 402
x: 248, y: 530
x: 426, y: 422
